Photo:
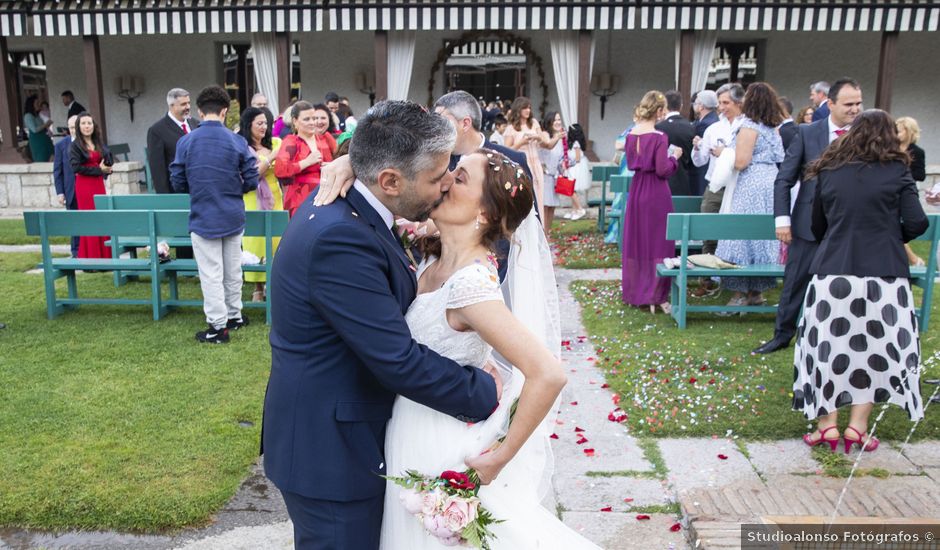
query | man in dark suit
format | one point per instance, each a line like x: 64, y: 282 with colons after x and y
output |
x: 340, y: 347
x: 705, y: 106
x: 680, y: 132
x: 819, y: 97
x: 75, y: 108
x: 787, y: 128
x: 795, y: 229
x: 161, y: 145
x: 163, y: 135
x: 64, y: 177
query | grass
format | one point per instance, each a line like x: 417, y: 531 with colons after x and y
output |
x: 12, y: 231
x: 114, y: 421
x: 578, y: 245
x: 703, y: 381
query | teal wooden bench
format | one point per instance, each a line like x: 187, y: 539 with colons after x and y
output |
x: 92, y: 222
x: 172, y: 223
x: 602, y: 173
x: 681, y: 204
x: 685, y: 228
x: 128, y: 243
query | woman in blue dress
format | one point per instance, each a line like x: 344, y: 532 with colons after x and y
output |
x: 757, y: 152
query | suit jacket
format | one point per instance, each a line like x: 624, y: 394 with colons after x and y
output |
x: 161, y: 150
x: 787, y: 131
x: 680, y: 132
x: 918, y: 162
x: 697, y: 180
x: 75, y: 109
x: 341, y: 351
x: 516, y: 156
x: 808, y: 144
x: 62, y: 173
x: 821, y: 112
x: 862, y: 216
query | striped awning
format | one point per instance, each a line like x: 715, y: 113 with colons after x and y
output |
x: 142, y: 17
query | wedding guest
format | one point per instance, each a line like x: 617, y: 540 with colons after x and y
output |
x: 579, y: 170
x: 650, y: 202
x: 64, y: 177
x: 74, y: 108
x: 908, y: 134
x: 283, y: 126
x: 256, y: 129
x: 525, y: 134
x: 91, y: 161
x: 787, y: 128
x: 345, y: 113
x: 858, y: 341
x: 40, y: 144
x: 680, y: 133
x: 819, y: 96
x: 163, y: 135
x: 259, y: 101
x: 298, y: 162
x: 705, y: 106
x: 499, y: 126
x: 758, y: 150
x: 46, y: 115
x: 805, y: 115
x: 554, y: 159
x: 215, y: 166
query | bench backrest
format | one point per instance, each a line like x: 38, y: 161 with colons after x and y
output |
x: 754, y: 227
x: 603, y: 172
x: 620, y: 183
x: 167, y: 223
x: 171, y: 201
x: 686, y: 204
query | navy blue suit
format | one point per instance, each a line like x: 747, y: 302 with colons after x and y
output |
x: 340, y: 352
x: 807, y: 145
x: 64, y: 178
x: 821, y: 112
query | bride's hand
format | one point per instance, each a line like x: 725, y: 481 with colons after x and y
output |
x: 335, y: 180
x: 488, y: 465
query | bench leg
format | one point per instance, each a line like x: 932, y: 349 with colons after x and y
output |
x: 72, y: 286
x: 683, y: 298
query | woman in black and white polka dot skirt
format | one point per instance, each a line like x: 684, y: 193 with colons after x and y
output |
x: 858, y: 342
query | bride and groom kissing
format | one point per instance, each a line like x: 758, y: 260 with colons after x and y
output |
x: 379, y: 365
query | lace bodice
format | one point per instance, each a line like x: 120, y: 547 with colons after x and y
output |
x: 427, y: 316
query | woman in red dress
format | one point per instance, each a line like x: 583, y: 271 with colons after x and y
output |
x: 298, y: 161
x: 91, y: 161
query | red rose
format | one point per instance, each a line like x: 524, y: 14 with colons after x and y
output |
x: 457, y: 480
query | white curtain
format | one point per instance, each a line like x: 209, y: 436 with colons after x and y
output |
x: 264, y: 50
x: 702, y: 52
x: 565, y: 64
x: 401, y: 56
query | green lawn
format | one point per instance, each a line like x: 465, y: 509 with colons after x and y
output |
x: 578, y: 245
x: 114, y: 421
x: 12, y: 231
x: 703, y: 381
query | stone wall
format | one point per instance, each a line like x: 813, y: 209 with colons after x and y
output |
x: 30, y: 186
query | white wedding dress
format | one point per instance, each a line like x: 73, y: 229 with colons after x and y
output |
x: 423, y: 439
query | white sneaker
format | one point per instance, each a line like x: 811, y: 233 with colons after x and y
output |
x: 579, y: 214
x: 567, y: 215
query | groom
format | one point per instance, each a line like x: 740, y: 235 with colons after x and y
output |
x: 341, y: 349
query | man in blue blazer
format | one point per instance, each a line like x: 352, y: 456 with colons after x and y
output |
x: 341, y: 349
x: 795, y: 228
x: 64, y: 177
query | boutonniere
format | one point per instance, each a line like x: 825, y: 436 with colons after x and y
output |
x: 407, y: 234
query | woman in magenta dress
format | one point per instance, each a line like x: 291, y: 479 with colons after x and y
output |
x: 649, y: 203
x: 91, y: 161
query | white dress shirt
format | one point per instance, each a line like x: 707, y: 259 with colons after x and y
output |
x: 376, y: 204
x: 722, y: 131
x: 179, y: 123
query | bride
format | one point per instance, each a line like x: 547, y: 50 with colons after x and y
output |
x: 460, y: 313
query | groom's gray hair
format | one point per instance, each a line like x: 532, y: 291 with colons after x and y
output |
x: 400, y: 135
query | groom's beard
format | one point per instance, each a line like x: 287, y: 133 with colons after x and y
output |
x: 415, y: 212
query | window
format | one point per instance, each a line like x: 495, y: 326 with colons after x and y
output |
x: 739, y: 62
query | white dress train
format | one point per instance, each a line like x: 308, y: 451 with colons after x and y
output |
x: 423, y: 439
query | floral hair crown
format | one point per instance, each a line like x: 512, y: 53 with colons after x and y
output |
x: 506, y: 162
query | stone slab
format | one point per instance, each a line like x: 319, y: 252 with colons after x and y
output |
x: 616, y: 531
x: 591, y: 494
x: 933, y: 473
x: 782, y: 457
x: 695, y: 462
x: 925, y: 453
x: 885, y: 458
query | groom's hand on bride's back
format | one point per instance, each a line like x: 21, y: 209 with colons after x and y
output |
x: 490, y: 369
x: 336, y: 178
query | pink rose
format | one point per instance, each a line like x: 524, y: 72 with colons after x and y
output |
x: 431, y: 501
x: 460, y: 512
x: 411, y: 500
x: 451, y: 541
x: 437, y: 526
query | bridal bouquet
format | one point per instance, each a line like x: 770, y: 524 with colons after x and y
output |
x: 447, y: 506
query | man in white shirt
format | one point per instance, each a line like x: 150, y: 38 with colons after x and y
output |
x: 794, y: 228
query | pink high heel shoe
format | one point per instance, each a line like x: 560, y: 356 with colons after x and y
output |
x: 822, y: 437
x: 867, y: 447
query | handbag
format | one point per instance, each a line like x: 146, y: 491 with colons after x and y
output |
x: 564, y: 186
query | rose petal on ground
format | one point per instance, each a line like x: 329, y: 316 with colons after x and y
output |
x: 723, y: 457
x: 676, y: 527
x: 578, y: 429
x: 553, y: 436
x: 642, y: 517
x: 589, y: 452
